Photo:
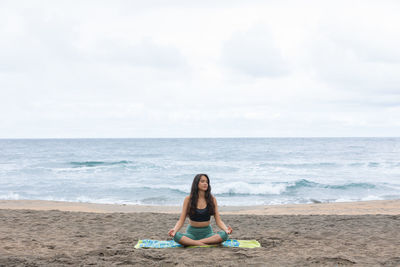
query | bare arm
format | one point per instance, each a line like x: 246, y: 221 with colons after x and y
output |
x: 218, y: 220
x: 182, y: 219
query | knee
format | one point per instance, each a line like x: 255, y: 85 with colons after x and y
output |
x: 177, y: 236
x: 223, y: 235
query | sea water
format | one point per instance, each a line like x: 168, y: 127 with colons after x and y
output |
x: 243, y: 171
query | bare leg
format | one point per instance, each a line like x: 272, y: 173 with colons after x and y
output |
x: 215, y: 239
x: 186, y: 241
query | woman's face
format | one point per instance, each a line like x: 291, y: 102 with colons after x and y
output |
x: 203, y: 183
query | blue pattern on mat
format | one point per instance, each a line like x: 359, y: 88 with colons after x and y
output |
x: 148, y: 243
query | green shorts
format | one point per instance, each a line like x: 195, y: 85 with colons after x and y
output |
x: 197, y: 233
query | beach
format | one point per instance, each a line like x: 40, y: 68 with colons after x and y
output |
x: 47, y: 233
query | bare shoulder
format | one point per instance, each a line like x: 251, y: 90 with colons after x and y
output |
x: 187, y: 199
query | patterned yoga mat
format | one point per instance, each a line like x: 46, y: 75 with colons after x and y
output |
x: 230, y: 243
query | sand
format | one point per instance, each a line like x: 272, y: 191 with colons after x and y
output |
x: 42, y: 233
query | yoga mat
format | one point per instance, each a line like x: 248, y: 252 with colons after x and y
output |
x: 230, y: 243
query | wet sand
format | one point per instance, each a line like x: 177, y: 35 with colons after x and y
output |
x: 42, y: 233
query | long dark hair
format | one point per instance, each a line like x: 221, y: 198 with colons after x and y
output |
x: 194, y: 195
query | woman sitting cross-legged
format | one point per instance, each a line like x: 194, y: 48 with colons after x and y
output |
x: 199, y: 206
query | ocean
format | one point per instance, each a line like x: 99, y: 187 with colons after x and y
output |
x: 243, y: 171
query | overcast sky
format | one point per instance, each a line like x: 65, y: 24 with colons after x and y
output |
x: 199, y: 68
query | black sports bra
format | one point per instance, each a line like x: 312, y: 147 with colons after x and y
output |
x: 201, y: 215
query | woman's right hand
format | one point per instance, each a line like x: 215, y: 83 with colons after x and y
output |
x: 171, y: 232
x: 229, y: 230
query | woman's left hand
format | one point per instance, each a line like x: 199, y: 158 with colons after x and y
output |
x: 171, y: 232
x: 229, y: 230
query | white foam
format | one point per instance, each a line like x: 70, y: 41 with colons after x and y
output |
x: 371, y: 197
x: 345, y: 200
x: 250, y: 189
x: 85, y: 199
x: 393, y: 186
x: 225, y: 188
x: 10, y: 196
x: 9, y: 167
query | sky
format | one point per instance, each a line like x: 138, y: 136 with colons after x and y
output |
x: 126, y: 69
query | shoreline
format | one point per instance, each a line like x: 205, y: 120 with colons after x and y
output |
x: 371, y: 207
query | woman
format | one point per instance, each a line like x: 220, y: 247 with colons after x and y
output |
x: 199, y: 206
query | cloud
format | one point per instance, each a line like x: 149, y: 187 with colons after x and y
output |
x: 360, y: 51
x: 254, y: 53
x: 33, y: 41
x: 158, y: 69
x: 145, y: 53
x: 30, y: 41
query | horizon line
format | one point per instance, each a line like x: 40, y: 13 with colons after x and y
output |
x: 227, y: 137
